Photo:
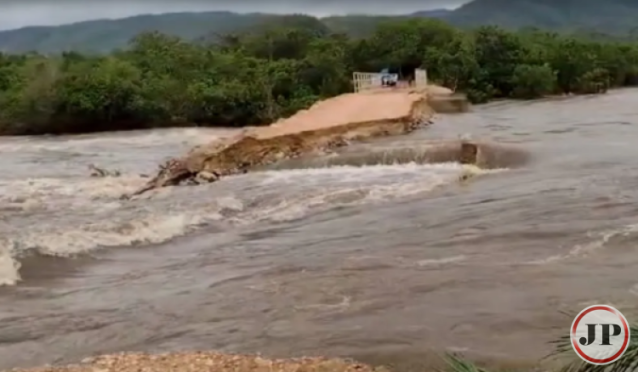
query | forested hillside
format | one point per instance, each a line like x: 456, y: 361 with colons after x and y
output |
x: 610, y: 16
x: 274, y: 70
x: 570, y: 16
x: 107, y: 35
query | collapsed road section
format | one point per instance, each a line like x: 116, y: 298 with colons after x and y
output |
x: 323, y: 127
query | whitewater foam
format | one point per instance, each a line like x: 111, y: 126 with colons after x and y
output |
x: 67, y: 217
x: 351, y: 185
x: 597, y: 240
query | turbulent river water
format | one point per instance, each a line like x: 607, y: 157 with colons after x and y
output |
x: 383, y: 262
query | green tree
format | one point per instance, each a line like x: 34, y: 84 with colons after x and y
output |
x: 286, y: 63
x: 533, y: 81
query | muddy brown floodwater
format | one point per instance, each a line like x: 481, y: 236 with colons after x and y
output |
x: 369, y: 254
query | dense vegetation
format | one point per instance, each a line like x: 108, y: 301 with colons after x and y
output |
x: 568, y: 16
x: 274, y: 70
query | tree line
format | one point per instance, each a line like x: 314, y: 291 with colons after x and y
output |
x: 276, y: 69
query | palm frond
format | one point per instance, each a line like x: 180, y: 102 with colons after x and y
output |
x: 627, y: 363
x: 455, y: 363
x: 563, y: 349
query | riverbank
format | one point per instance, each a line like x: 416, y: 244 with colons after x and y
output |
x: 205, y: 361
x: 213, y: 361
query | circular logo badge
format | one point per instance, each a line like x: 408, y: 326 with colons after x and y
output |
x: 600, y: 334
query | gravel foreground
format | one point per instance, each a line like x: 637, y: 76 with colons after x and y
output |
x: 204, y: 362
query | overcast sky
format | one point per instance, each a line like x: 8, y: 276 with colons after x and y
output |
x: 20, y: 13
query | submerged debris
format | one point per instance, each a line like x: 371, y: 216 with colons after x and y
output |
x: 171, y: 173
x: 101, y: 172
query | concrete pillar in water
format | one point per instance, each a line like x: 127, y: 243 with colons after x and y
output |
x: 469, y: 153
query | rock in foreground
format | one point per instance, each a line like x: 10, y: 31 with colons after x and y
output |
x: 205, y: 362
x: 324, y: 126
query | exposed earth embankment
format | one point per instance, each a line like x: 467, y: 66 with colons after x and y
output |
x: 323, y: 127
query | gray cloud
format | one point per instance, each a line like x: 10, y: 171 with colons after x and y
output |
x: 15, y: 14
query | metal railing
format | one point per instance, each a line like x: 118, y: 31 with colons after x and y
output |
x: 363, y: 81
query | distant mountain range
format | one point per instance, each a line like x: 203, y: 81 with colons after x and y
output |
x: 611, y: 16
